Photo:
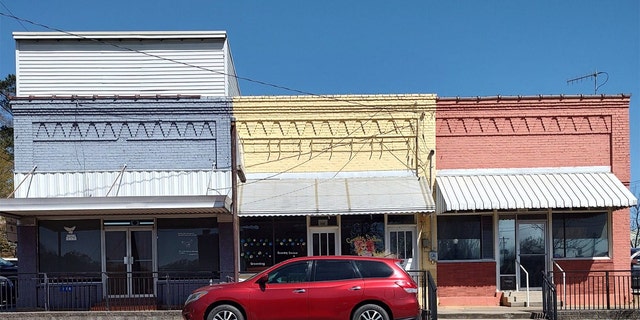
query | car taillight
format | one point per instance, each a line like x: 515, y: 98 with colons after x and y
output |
x: 408, y: 286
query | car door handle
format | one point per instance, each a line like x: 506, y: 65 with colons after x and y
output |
x: 299, y: 291
x: 355, y: 288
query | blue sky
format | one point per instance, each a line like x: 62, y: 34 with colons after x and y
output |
x: 451, y: 48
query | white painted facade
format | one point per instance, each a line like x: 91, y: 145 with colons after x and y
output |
x: 124, y: 63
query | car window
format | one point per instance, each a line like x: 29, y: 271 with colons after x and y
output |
x: 374, y: 269
x: 291, y: 273
x: 334, y: 270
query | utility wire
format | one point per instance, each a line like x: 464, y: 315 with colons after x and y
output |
x: 8, y: 10
x: 264, y: 83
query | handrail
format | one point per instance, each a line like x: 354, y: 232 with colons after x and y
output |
x: 527, y: 278
x: 564, y: 283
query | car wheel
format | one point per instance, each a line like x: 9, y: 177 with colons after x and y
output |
x: 225, y: 312
x: 370, y: 312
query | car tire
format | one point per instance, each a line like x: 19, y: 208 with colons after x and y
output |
x: 370, y: 312
x: 225, y: 312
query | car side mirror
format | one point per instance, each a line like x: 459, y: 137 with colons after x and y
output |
x: 263, y: 280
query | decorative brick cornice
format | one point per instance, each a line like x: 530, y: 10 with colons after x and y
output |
x: 330, y: 129
x: 456, y: 126
x: 135, y: 130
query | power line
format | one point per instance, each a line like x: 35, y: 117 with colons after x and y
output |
x: 303, y: 92
x: 20, y: 22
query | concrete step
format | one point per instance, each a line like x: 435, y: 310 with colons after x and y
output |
x: 519, y: 299
x: 487, y: 313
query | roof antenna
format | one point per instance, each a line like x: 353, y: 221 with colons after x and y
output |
x: 593, y: 75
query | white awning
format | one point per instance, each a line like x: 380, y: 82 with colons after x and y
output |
x: 337, y: 196
x: 22, y: 207
x: 534, y: 188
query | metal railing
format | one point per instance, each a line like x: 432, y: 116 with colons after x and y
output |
x: 564, y: 283
x: 599, y: 290
x: 549, y: 298
x: 433, y: 297
x: 101, y: 291
x: 526, y: 273
x: 427, y: 293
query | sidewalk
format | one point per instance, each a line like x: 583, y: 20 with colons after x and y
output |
x: 489, y: 313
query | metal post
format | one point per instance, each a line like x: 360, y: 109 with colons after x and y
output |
x: 234, y: 201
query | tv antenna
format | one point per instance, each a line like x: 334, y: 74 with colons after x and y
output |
x: 593, y: 75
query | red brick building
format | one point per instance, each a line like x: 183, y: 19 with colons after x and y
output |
x: 535, y: 181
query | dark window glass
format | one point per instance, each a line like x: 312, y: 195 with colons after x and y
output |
x: 577, y: 235
x: 401, y: 219
x: 188, y: 245
x: 465, y: 237
x: 323, y: 221
x: 290, y: 273
x: 327, y: 270
x: 373, y: 269
x: 363, y: 235
x: 69, y: 246
x: 267, y: 241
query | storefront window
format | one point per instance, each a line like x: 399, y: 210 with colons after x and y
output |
x: 580, y: 235
x: 465, y: 237
x: 188, y: 245
x: 401, y: 219
x: 69, y: 246
x: 363, y: 235
x: 267, y: 241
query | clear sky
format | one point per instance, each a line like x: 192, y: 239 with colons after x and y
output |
x: 446, y: 47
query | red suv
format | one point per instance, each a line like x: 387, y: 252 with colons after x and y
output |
x: 314, y: 288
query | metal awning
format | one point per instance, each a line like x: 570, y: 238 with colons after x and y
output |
x: 334, y: 196
x: 532, y: 188
x: 24, y: 207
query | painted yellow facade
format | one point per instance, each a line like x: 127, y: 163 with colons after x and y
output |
x: 340, y: 133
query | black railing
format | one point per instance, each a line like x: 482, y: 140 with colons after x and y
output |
x: 427, y: 293
x: 549, y: 298
x: 8, y: 294
x: 598, y: 290
x: 101, y: 291
x: 134, y: 291
x: 433, y: 297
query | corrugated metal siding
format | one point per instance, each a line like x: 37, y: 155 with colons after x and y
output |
x: 134, y: 183
x: 334, y: 196
x: 233, y: 88
x: 84, y: 67
x: 465, y: 192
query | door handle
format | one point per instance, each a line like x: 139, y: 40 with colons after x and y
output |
x: 355, y: 288
x: 299, y: 291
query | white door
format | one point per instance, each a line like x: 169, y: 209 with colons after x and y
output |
x: 323, y: 241
x: 403, y: 245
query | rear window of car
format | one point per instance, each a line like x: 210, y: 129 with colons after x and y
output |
x: 374, y: 269
x: 327, y: 270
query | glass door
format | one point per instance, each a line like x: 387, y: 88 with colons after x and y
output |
x: 324, y: 241
x: 401, y: 245
x: 129, y: 262
x: 531, y: 252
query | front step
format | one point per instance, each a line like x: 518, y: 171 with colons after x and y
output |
x: 478, y: 313
x: 519, y: 299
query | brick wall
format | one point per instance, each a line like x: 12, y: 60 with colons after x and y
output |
x: 524, y: 132
x: 336, y: 133
x: 86, y: 135
x: 467, y: 283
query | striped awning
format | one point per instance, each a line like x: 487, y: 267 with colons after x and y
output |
x: 534, y: 188
x: 334, y: 196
